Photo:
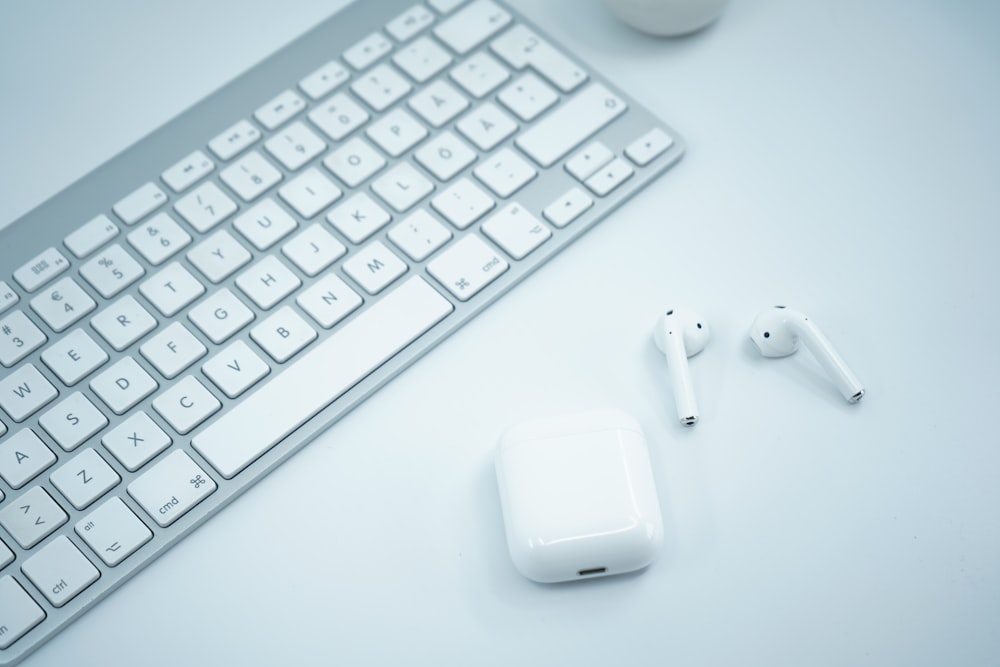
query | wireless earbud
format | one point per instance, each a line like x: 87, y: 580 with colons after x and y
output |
x: 681, y: 334
x: 776, y: 333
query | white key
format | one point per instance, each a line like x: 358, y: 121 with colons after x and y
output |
x: 486, y: 126
x: 338, y: 116
x: 159, y: 238
x: 505, y: 172
x: 173, y: 350
x: 172, y: 289
x: 250, y: 428
x: 516, y: 230
x: 123, y: 385
x: 85, y: 478
x: 324, y: 80
x: 266, y: 223
x: 220, y: 316
x: 113, y: 531
x: 380, y: 87
x: 585, y: 163
x: 32, y: 517
x: 19, y: 337
x: 24, y: 391
x: 188, y: 171
x: 72, y: 421
x: 22, y: 457
x: 6, y: 557
x: 313, y: 250
x: 358, y: 218
x: 445, y: 156
x: 463, y: 203
x: 444, y: 6
x: 419, y: 235
x: 467, y: 266
x: 473, y: 24
x: 480, y: 74
x: 374, y: 267
x: 285, y: 105
x: 186, y: 404
x: 235, y: 369
x: 609, y: 177
x: 568, y: 208
x: 234, y: 140
x: 250, y: 176
x: 567, y: 126
x: 354, y: 162
x: 409, y: 23
x: 329, y: 300
x: 367, y: 51
x: 402, y: 187
x: 41, y: 269
x: 528, y: 97
x: 139, y: 204
x: 295, y: 145
x: 219, y: 256
x: 438, y: 103
x: 62, y: 304
x: 309, y: 193
x: 91, y: 236
x: 267, y: 282
x: 283, y: 334
x: 521, y: 47
x: 74, y: 356
x: 205, y: 207
x: 8, y: 297
x: 18, y: 612
x: 136, y: 441
x: 422, y: 59
x: 649, y: 146
x: 111, y: 271
x: 169, y: 489
x: 123, y: 322
x: 60, y: 571
x: 397, y: 132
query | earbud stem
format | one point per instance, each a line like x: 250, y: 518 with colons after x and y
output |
x: 687, y: 406
x: 824, y: 352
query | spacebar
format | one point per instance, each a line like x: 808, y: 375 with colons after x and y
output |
x: 265, y: 417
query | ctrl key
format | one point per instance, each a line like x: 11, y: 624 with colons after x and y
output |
x: 18, y: 612
x: 171, y: 488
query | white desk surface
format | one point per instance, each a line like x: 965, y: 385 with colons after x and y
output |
x: 844, y: 158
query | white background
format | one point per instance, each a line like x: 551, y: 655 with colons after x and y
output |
x: 844, y: 158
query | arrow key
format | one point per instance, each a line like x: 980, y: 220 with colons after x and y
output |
x: 32, y: 517
x: 113, y: 531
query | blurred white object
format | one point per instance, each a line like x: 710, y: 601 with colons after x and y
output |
x: 667, y: 17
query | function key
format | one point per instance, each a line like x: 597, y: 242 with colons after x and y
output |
x: 234, y: 140
x: 8, y: 297
x: 91, y: 236
x: 137, y: 205
x: 324, y: 80
x: 188, y: 171
x: 40, y: 270
x: 367, y: 51
x: 410, y: 22
x: 476, y: 22
x: 280, y: 109
x: 444, y: 6
x: 20, y: 612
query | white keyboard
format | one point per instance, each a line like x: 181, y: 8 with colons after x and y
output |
x: 187, y: 316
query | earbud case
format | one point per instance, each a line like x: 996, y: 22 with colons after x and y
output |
x: 578, y: 496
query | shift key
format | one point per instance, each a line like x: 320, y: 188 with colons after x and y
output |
x: 171, y: 488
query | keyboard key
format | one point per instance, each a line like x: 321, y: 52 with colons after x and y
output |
x: 123, y: 385
x: 367, y: 51
x: 567, y: 126
x: 169, y: 489
x: 354, y: 162
x: 522, y: 47
x: 329, y: 300
x: 397, y: 132
x: 463, y: 203
x: 402, y: 187
x: 220, y: 316
x: 171, y: 289
x: 173, y: 350
x: 22, y: 457
x: 568, y: 208
x: 234, y: 140
x: 486, y: 126
x: 585, y: 164
x: 338, y: 116
x: 62, y: 304
x: 472, y: 25
x: 380, y: 87
x: 444, y: 6
x: 467, y: 266
x: 438, y: 103
x: 24, y: 391
x: 219, y: 256
x: 609, y: 177
x: 309, y: 193
x: 235, y: 369
x: 85, y: 478
x: 111, y: 271
x: 528, y: 97
x: 186, y: 404
x: 422, y: 59
x: 32, y: 517
x: 74, y: 356
x: 445, y: 156
x: 505, y: 172
x: 354, y: 350
x: 267, y: 282
x: 140, y: 203
x: 113, y: 531
x: 649, y: 146
x: 41, y: 269
x: 374, y: 267
x: 205, y: 207
x: 123, y: 322
x: 251, y: 176
x: 419, y: 235
x: 18, y: 612
x: 72, y: 421
x: 136, y: 441
x: 410, y: 22
x: 479, y: 74
x: 313, y: 250
x: 6, y: 556
x: 295, y: 145
x: 516, y: 230
x: 159, y: 238
x: 60, y: 571
x: 324, y: 80
x: 285, y: 105
x: 358, y: 218
x: 283, y: 334
x: 188, y: 171
x: 19, y: 337
x: 8, y: 297
x: 91, y: 236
